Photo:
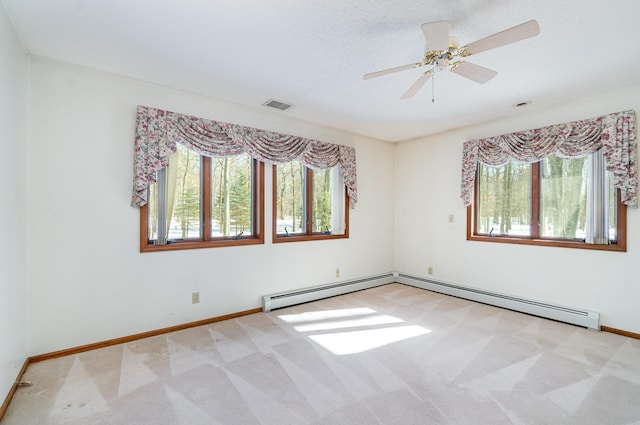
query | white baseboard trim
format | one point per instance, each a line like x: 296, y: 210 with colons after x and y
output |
x: 299, y: 296
x: 576, y: 316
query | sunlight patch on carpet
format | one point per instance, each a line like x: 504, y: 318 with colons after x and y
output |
x: 378, y: 329
x: 341, y: 343
x: 313, y: 316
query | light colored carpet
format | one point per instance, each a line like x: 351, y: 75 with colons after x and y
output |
x: 391, y: 355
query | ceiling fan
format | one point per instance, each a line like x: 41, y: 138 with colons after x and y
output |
x: 444, y: 53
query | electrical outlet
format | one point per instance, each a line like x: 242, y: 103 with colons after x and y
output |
x: 430, y: 270
x: 451, y: 218
x: 337, y: 273
x: 195, y: 297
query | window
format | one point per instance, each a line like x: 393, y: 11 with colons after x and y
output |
x: 554, y: 202
x: 176, y: 218
x: 308, y: 204
x: 202, y: 202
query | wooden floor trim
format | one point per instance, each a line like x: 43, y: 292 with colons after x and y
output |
x: 12, y: 391
x: 620, y: 332
x: 121, y: 340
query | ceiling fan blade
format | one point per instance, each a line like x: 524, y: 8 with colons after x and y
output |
x: 391, y: 70
x: 417, y: 85
x: 474, y: 72
x: 437, y: 35
x: 511, y: 35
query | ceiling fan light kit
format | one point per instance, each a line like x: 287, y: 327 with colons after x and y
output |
x: 444, y: 53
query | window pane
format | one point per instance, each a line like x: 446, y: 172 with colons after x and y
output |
x: 504, y: 199
x: 322, y: 194
x: 563, y: 194
x: 183, y: 195
x: 290, y: 198
x: 231, y: 196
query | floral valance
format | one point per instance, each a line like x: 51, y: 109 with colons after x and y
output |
x: 158, y: 132
x: 614, y: 133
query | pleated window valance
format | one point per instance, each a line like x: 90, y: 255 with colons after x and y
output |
x: 614, y: 133
x: 158, y: 132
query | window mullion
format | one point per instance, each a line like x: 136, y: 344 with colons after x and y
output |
x: 205, y: 197
x: 255, y: 183
x: 308, y: 211
x: 535, y: 200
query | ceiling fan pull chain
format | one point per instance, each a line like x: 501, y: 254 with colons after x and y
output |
x: 433, y: 88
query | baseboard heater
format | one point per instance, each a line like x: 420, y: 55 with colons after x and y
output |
x: 584, y: 318
x: 299, y: 296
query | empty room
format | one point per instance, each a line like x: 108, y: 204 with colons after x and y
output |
x: 336, y: 212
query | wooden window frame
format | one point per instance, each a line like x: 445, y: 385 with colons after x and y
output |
x: 309, y: 234
x: 535, y: 238
x: 208, y: 241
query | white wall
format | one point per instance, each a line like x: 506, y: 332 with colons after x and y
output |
x: 88, y: 282
x: 13, y: 210
x: 427, y: 189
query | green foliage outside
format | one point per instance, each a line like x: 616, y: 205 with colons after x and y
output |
x: 322, y: 200
x: 291, y: 214
x: 564, y: 197
x: 504, y: 198
x: 290, y: 184
x: 231, y: 195
x: 186, y: 206
x: 504, y: 194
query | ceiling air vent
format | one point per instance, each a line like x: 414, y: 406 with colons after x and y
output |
x: 276, y: 104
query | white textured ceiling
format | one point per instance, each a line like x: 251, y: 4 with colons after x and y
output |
x: 313, y: 54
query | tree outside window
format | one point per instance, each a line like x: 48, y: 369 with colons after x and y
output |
x: 199, y: 201
x: 308, y: 203
x: 556, y: 201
